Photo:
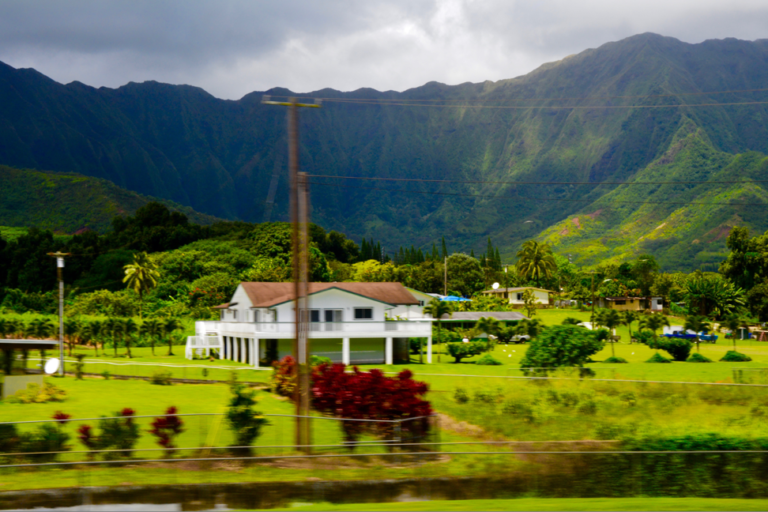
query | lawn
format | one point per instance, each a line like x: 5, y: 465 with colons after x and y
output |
x: 549, y: 504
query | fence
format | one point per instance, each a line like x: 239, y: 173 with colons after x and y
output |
x: 463, y: 471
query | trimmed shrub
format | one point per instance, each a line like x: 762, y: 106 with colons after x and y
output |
x: 560, y: 345
x: 461, y: 351
x: 735, y: 357
x: 244, y: 422
x: 698, y: 358
x: 658, y: 358
x: 284, y: 377
x: 488, y: 360
x: 678, y: 348
x: 34, y: 394
x: 461, y: 396
x: 615, y: 360
x: 161, y: 378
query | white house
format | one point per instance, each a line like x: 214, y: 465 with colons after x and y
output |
x: 348, y: 322
x: 515, y: 295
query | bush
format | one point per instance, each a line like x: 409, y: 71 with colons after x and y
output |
x: 488, y: 360
x: 318, y: 360
x: 284, y: 377
x: 488, y: 397
x: 615, y: 360
x: 678, y: 348
x: 520, y: 409
x: 79, y: 365
x: 36, y: 395
x: 461, y: 396
x: 119, y: 433
x: 698, y: 358
x: 561, y: 345
x: 735, y: 357
x: 166, y: 429
x: 244, y: 422
x: 461, y: 351
x: 161, y: 378
x: 106, y: 374
x: 658, y: 358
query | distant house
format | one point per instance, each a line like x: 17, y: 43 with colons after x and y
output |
x: 631, y: 303
x: 515, y: 295
x: 348, y: 322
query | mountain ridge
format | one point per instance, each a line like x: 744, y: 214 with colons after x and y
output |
x: 222, y: 156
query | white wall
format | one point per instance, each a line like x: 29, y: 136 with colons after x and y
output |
x: 335, y: 299
x: 541, y: 297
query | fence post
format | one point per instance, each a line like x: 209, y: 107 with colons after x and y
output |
x: 399, y: 440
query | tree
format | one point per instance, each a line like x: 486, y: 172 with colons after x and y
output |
x: 732, y: 323
x: 464, y: 274
x: 107, y: 331
x: 152, y: 329
x: 536, y: 261
x: 560, y: 346
x: 71, y: 332
x: 627, y: 317
x: 91, y: 332
x: 529, y: 302
x: 141, y: 276
x: 697, y: 324
x: 244, y: 422
x: 169, y: 327
x: 129, y: 329
x: 653, y: 323
x: 118, y: 331
x: 436, y: 309
x: 611, y: 319
x: 531, y: 328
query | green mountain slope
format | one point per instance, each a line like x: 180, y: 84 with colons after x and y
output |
x: 68, y: 202
x: 223, y: 157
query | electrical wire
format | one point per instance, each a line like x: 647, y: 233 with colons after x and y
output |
x: 561, y: 107
x: 686, y: 203
x: 483, y: 182
x: 564, y: 98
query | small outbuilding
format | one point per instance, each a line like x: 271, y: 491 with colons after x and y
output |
x: 515, y: 295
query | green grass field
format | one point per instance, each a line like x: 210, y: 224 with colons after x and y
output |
x: 549, y: 504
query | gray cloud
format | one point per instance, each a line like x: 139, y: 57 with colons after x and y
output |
x: 233, y: 47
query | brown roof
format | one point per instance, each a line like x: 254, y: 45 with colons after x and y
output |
x: 264, y: 295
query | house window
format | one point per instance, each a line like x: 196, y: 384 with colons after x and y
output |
x: 255, y: 317
x: 519, y: 296
x: 234, y: 314
x: 222, y: 315
x: 620, y: 302
x: 363, y: 313
x: 421, y: 303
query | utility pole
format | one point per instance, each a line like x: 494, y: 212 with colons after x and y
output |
x: 592, y: 287
x: 300, y: 242
x: 59, y: 266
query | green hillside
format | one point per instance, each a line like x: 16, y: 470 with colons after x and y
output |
x: 584, y: 118
x: 68, y: 202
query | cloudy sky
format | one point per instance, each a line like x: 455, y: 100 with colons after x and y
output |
x: 232, y: 47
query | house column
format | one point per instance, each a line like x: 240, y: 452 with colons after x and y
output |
x: 345, y: 351
x: 227, y: 348
x: 256, y: 352
x: 429, y: 349
x: 388, y: 352
x: 236, y: 350
x: 223, y: 353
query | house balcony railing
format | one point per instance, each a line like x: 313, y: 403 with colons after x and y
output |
x: 265, y: 329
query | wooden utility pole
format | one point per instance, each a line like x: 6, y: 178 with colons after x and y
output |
x: 59, y: 266
x: 300, y: 240
x: 445, y: 275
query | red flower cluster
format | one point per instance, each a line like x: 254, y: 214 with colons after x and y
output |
x: 369, y: 395
x: 61, y: 417
x: 166, y: 428
x: 127, y: 413
x: 85, y: 435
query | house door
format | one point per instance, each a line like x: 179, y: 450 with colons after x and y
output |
x: 333, y: 319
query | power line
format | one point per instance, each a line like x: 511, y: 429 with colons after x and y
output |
x: 422, y: 180
x: 558, y: 107
x: 569, y: 98
x: 686, y: 203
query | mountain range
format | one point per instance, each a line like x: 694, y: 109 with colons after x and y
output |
x: 644, y: 109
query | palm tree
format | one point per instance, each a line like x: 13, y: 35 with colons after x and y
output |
x: 611, y: 319
x: 530, y: 327
x: 169, y: 326
x: 732, y: 323
x: 118, y: 330
x: 571, y: 321
x: 141, y: 276
x: 436, y: 309
x: 151, y: 329
x: 129, y: 329
x: 488, y: 325
x: 71, y: 332
x: 653, y: 323
x: 536, y: 261
x: 697, y: 324
x: 627, y: 317
x: 107, y: 331
x: 39, y: 328
x: 89, y: 332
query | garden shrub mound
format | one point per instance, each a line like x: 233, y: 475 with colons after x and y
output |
x: 615, y: 360
x: 735, y: 357
x: 488, y: 360
x: 561, y: 345
x: 461, y: 351
x: 658, y: 358
x: 698, y: 358
x: 678, y: 348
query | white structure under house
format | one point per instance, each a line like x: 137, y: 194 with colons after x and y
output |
x: 351, y: 323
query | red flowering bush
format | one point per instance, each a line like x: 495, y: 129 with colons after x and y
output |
x: 61, y: 417
x: 284, y: 377
x: 371, y: 396
x: 166, y: 429
x: 120, y: 432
